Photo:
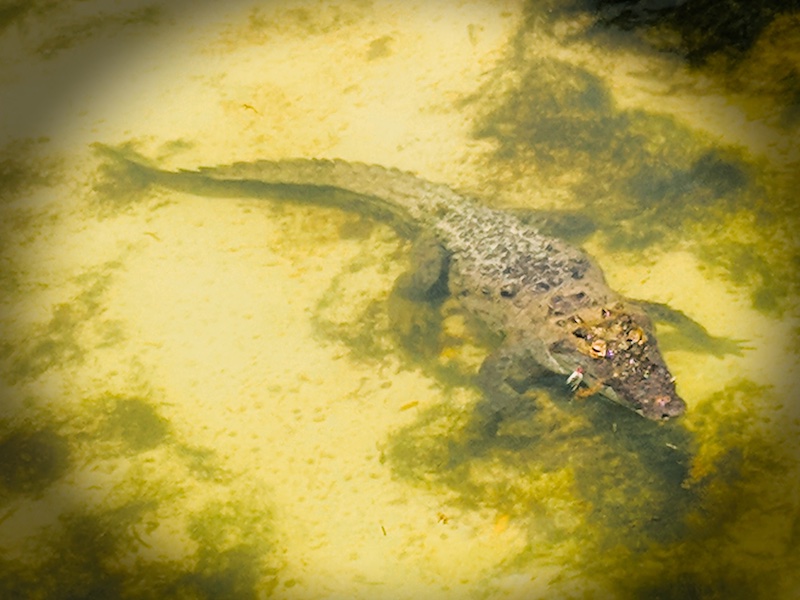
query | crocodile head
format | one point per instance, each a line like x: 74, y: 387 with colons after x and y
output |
x: 618, y: 355
x: 641, y: 381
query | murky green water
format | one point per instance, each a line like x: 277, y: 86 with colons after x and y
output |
x: 207, y: 397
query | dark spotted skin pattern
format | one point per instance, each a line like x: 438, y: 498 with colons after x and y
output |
x: 547, y: 300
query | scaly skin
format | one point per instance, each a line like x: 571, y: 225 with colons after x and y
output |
x: 549, y: 301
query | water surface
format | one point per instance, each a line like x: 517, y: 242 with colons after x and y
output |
x: 208, y: 397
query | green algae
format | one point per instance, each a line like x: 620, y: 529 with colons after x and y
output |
x: 31, y: 459
x: 647, y: 182
x: 72, y: 332
x: 94, y: 553
x: 136, y: 423
x: 115, y: 545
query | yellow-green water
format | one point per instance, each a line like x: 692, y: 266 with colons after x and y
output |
x: 205, y: 397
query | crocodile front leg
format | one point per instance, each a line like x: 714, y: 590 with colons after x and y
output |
x: 504, y: 377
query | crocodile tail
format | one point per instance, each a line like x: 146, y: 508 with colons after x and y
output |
x: 388, y: 194
x: 390, y: 188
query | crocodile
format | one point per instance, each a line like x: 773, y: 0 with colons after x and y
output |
x: 547, y: 301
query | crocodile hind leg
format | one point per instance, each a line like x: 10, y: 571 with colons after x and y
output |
x: 426, y: 279
x: 417, y: 295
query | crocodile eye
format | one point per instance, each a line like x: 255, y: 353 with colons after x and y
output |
x: 636, y: 336
x: 581, y: 332
x: 598, y: 348
x: 509, y: 290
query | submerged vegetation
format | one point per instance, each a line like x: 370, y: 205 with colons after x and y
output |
x: 678, y: 502
x: 147, y: 528
x: 644, y: 181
